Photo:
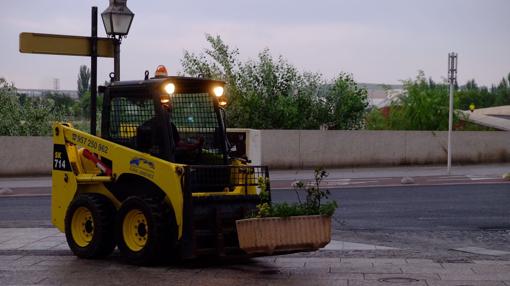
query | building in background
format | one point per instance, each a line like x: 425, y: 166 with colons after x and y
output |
x: 382, y: 95
x: 40, y: 92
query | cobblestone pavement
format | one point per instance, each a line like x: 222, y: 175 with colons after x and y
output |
x: 40, y: 257
x: 427, y: 244
x: 65, y: 269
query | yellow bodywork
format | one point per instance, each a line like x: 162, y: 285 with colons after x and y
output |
x: 82, y: 176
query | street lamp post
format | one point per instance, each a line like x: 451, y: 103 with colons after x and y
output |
x: 93, y: 72
x: 117, y: 19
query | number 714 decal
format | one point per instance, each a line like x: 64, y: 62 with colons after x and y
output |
x: 60, y: 158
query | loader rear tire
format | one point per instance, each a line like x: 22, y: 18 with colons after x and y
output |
x: 144, y: 231
x: 89, y: 225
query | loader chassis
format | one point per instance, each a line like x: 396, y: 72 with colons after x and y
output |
x: 133, y: 188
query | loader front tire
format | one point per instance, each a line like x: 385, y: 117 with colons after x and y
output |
x: 89, y: 225
x: 144, y: 231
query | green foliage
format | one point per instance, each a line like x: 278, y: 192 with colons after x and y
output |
x: 424, y: 106
x: 23, y: 115
x: 502, y: 92
x: 62, y: 103
x: 313, y: 205
x: 82, y: 107
x: 270, y: 93
x: 344, y: 104
x: 314, y: 194
x: 83, y: 80
x: 264, y: 195
x: 483, y: 97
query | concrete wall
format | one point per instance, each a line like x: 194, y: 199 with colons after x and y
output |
x: 29, y: 156
x: 22, y: 156
x: 310, y: 148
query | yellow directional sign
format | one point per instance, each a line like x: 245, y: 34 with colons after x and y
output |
x: 36, y: 43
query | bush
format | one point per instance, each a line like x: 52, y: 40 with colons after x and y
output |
x: 271, y: 93
x: 313, y: 204
x: 23, y: 115
x: 424, y: 106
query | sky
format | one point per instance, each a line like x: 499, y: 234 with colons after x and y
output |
x: 378, y: 41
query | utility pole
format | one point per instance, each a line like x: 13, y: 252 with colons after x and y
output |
x: 452, y: 79
x: 93, y: 73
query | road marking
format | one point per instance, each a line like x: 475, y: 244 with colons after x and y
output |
x: 24, y: 195
x: 446, y: 180
x: 480, y: 178
x: 344, y: 245
x: 483, y: 251
x: 362, y: 182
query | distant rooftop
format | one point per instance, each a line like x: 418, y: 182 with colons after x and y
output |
x: 380, y: 95
x: 41, y: 92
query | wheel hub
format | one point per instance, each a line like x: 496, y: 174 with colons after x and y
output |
x: 82, y: 226
x: 89, y: 226
x: 134, y: 230
x: 142, y: 230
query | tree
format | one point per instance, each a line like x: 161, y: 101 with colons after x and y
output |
x: 483, y: 97
x: 424, y: 106
x: 502, y: 92
x: 83, y: 80
x: 344, y: 104
x: 81, y: 108
x: 62, y: 102
x: 269, y: 92
x: 9, y: 109
x: 33, y: 117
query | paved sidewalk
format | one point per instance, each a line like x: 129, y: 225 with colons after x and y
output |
x: 488, y: 170
x: 41, y: 257
x: 49, y: 239
x: 282, y: 270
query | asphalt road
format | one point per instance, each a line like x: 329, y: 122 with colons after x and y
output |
x: 448, y: 207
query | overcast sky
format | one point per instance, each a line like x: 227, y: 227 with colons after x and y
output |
x: 378, y: 41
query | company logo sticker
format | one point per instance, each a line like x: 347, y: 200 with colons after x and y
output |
x: 142, y: 167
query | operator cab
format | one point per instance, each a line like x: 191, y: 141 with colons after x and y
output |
x: 178, y: 119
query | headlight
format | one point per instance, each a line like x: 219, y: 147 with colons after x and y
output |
x: 165, y: 99
x: 218, y: 91
x: 170, y: 88
x: 222, y: 101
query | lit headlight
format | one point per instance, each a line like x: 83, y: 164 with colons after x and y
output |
x: 218, y: 91
x: 170, y: 88
x: 165, y: 99
x: 222, y: 101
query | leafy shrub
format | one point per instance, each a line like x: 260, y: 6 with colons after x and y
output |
x: 313, y: 204
x: 270, y: 93
x: 23, y: 115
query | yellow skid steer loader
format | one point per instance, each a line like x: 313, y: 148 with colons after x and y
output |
x: 159, y: 182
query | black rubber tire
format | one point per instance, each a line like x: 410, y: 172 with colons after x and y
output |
x: 161, y: 231
x: 103, y: 215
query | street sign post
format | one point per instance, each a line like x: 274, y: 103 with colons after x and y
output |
x: 117, y: 19
x: 36, y: 43
x: 93, y: 47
